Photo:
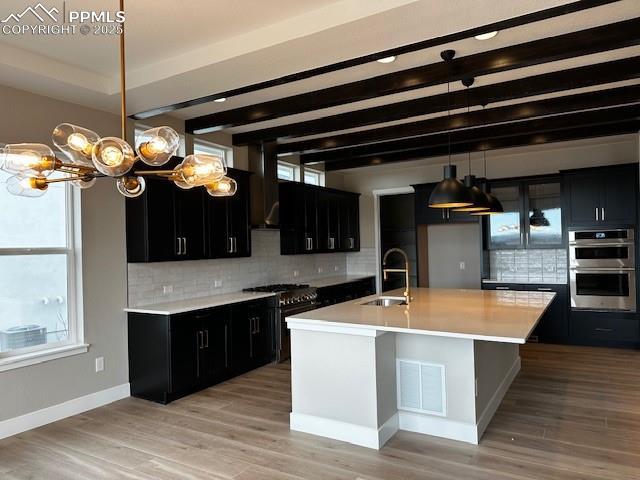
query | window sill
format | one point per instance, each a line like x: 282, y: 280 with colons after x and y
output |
x: 33, y: 358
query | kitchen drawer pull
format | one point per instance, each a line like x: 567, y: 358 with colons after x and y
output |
x: 597, y: 214
x: 599, y: 329
x: 200, y: 340
x: 226, y: 345
x: 179, y: 245
x: 602, y: 211
x: 206, y: 342
x: 503, y: 288
x: 545, y: 289
x: 184, y: 240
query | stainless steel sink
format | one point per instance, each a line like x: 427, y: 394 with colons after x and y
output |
x: 386, y: 302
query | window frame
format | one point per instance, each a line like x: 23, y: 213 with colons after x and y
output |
x: 74, y: 343
x: 319, y: 175
x: 295, y: 170
x: 226, y: 151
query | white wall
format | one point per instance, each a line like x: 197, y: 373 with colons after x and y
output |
x: 514, y: 162
x: 31, y: 118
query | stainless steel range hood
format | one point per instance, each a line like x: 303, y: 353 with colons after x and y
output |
x: 265, y: 207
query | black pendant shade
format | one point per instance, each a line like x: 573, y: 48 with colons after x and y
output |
x: 450, y: 192
x: 494, y: 206
x: 537, y: 219
x: 478, y: 197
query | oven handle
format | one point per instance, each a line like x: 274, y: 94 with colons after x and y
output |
x: 602, y: 269
x: 301, y: 309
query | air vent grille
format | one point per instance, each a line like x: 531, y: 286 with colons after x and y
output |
x: 421, y: 387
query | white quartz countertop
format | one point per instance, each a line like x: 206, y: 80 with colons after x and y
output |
x: 337, y: 280
x: 522, y: 282
x: 490, y: 315
x: 192, y: 304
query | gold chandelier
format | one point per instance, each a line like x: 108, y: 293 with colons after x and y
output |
x: 89, y: 156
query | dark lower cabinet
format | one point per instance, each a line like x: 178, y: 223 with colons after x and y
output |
x: 554, y: 325
x: 344, y: 292
x: 605, y: 328
x: 171, y: 356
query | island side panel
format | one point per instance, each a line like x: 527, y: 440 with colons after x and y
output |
x: 496, y: 366
x: 457, y: 357
x: 334, y: 385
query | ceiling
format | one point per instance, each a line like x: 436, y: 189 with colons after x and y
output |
x: 178, y: 50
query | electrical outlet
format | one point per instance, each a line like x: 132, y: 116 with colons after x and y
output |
x: 320, y: 269
x: 463, y: 266
x: 99, y: 364
x: 336, y: 268
x: 217, y: 283
x: 166, y: 289
x: 296, y: 273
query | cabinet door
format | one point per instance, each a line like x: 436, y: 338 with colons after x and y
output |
x: 328, y: 221
x: 583, y: 198
x: 310, y: 196
x: 260, y: 323
x: 349, y: 224
x: 505, y: 229
x: 218, y: 236
x: 554, y: 325
x: 190, y: 220
x: 544, y: 215
x: 151, y: 224
x: 618, y: 196
x: 292, y: 219
x: 241, y: 333
x: 215, y: 357
x: 239, y: 221
x: 186, y: 341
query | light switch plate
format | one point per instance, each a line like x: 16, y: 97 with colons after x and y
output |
x: 463, y: 266
x: 296, y: 273
x: 99, y: 364
x: 217, y: 283
x: 166, y: 289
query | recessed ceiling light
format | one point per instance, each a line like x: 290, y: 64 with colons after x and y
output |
x: 220, y: 100
x: 387, y: 59
x: 486, y: 36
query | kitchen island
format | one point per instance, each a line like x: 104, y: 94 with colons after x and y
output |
x: 438, y: 366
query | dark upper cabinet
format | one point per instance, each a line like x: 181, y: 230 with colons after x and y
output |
x: 601, y: 196
x: 532, y: 215
x: 329, y: 210
x: 317, y: 219
x: 349, y: 222
x: 227, y: 226
x: 167, y: 223
x: 426, y: 215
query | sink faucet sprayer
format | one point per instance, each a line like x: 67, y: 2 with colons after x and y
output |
x: 404, y: 270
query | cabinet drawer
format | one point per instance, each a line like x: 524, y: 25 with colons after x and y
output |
x: 605, y: 327
x: 502, y: 286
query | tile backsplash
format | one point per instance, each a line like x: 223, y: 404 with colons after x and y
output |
x: 168, y: 281
x: 534, y: 265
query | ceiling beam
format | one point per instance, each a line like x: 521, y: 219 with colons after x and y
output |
x: 540, y: 15
x: 584, y: 42
x: 579, y: 77
x: 505, y: 114
x: 527, y: 139
x: 557, y: 122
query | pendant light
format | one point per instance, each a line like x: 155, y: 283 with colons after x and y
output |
x: 495, y: 206
x: 450, y: 192
x: 478, y: 197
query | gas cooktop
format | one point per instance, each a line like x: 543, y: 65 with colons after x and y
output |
x: 278, y: 287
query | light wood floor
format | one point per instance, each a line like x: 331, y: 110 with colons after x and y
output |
x: 572, y: 413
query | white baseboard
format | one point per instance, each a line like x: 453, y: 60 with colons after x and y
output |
x: 14, y: 426
x: 438, y: 427
x: 347, y: 432
x: 496, y: 398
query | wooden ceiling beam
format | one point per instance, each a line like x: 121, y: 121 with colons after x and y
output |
x: 537, y: 125
x: 579, y: 77
x: 584, y: 42
x: 476, y: 118
x: 527, y: 139
x: 538, y: 16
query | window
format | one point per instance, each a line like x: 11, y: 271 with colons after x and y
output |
x: 201, y: 146
x: 313, y: 177
x: 38, y: 265
x: 139, y: 130
x: 288, y: 171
